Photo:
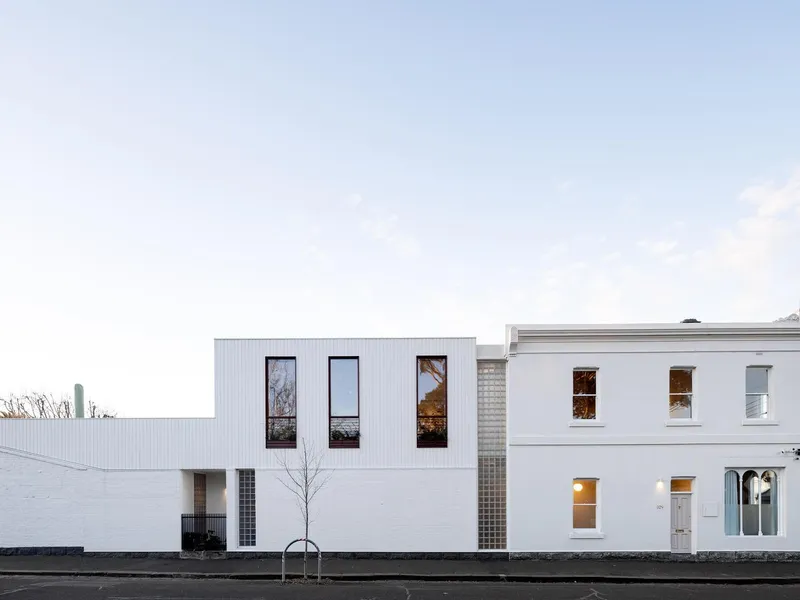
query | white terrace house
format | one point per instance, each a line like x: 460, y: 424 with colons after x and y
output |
x: 565, y: 440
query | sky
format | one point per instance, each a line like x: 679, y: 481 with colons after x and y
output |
x: 177, y: 171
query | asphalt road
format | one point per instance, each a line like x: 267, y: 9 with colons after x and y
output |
x: 87, y: 588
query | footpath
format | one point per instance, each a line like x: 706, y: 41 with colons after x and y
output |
x: 338, y: 569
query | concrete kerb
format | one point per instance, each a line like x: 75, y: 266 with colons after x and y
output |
x: 430, y: 577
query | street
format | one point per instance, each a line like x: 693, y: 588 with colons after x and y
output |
x: 87, y: 588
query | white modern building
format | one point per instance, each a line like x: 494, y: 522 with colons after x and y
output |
x: 657, y: 439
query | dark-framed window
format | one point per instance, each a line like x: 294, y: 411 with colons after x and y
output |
x: 343, y: 402
x: 281, y: 380
x: 431, y: 402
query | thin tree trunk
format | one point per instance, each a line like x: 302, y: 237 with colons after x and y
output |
x: 305, y: 553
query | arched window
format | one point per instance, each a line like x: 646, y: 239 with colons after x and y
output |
x: 732, y: 488
x: 769, y: 503
x: 751, y: 502
x: 750, y: 519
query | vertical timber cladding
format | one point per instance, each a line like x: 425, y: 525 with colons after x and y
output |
x: 491, y: 455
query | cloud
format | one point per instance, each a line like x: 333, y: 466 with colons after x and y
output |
x: 353, y: 200
x: 384, y: 227
x: 658, y: 247
x: 749, y: 247
x: 744, y: 271
x: 564, y: 186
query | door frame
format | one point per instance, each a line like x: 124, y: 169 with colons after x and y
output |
x: 694, y: 508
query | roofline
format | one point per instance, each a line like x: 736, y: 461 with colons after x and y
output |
x: 334, y: 339
x: 648, y: 332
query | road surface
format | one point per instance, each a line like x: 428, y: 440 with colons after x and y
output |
x: 87, y: 588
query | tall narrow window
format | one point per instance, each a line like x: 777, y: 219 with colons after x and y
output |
x: 752, y: 502
x: 584, y: 503
x: 757, y: 393
x: 281, y: 403
x: 584, y: 394
x: 680, y: 393
x: 247, y: 507
x: 343, y: 391
x: 431, y: 402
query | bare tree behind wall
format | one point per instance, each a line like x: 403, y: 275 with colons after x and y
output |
x: 36, y: 405
x: 304, y: 479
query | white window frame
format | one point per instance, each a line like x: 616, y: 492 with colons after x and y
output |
x: 692, y: 419
x: 597, y: 531
x: 769, y: 418
x: 759, y: 471
x: 587, y: 422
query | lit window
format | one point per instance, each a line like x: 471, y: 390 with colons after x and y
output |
x: 431, y: 402
x: 757, y: 393
x: 343, y: 398
x: 584, y: 503
x: 281, y: 403
x: 680, y: 485
x: 584, y: 394
x: 680, y: 392
x: 752, y: 502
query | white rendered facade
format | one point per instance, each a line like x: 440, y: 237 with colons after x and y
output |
x: 503, y: 481
x: 633, y: 447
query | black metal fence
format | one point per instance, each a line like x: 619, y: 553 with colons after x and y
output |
x: 204, y: 532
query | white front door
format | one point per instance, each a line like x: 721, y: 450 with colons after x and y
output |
x: 681, y: 530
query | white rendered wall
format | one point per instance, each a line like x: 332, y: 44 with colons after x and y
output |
x: 374, y: 510
x: 540, y: 496
x: 37, y: 502
x: 187, y: 492
x: 633, y: 387
x: 215, y: 493
x: 633, y: 443
x: 43, y: 503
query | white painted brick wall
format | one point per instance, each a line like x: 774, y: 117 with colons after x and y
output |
x: 375, y: 510
x: 48, y: 504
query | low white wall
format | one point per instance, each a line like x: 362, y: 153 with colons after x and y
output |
x: 45, y: 503
x: 540, y: 496
x: 374, y: 510
x: 37, y: 502
x: 135, y: 511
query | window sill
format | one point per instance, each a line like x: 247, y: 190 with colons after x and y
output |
x: 762, y: 536
x: 683, y: 423
x: 749, y: 422
x: 589, y: 534
x: 586, y: 423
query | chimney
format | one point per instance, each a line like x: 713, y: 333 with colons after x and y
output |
x: 78, y: 401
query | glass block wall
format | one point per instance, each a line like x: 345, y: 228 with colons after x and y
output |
x: 491, y: 455
x: 247, y: 507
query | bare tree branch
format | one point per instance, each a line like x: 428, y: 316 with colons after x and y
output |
x: 37, y: 405
x: 304, y: 481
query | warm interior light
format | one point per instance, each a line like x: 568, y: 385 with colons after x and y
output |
x: 577, y: 487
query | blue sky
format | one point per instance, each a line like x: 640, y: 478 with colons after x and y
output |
x: 172, y: 172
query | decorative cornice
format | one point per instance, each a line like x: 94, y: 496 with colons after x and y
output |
x: 517, y: 334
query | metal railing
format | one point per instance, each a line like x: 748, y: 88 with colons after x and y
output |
x: 204, y: 532
x: 344, y: 432
x: 431, y: 432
